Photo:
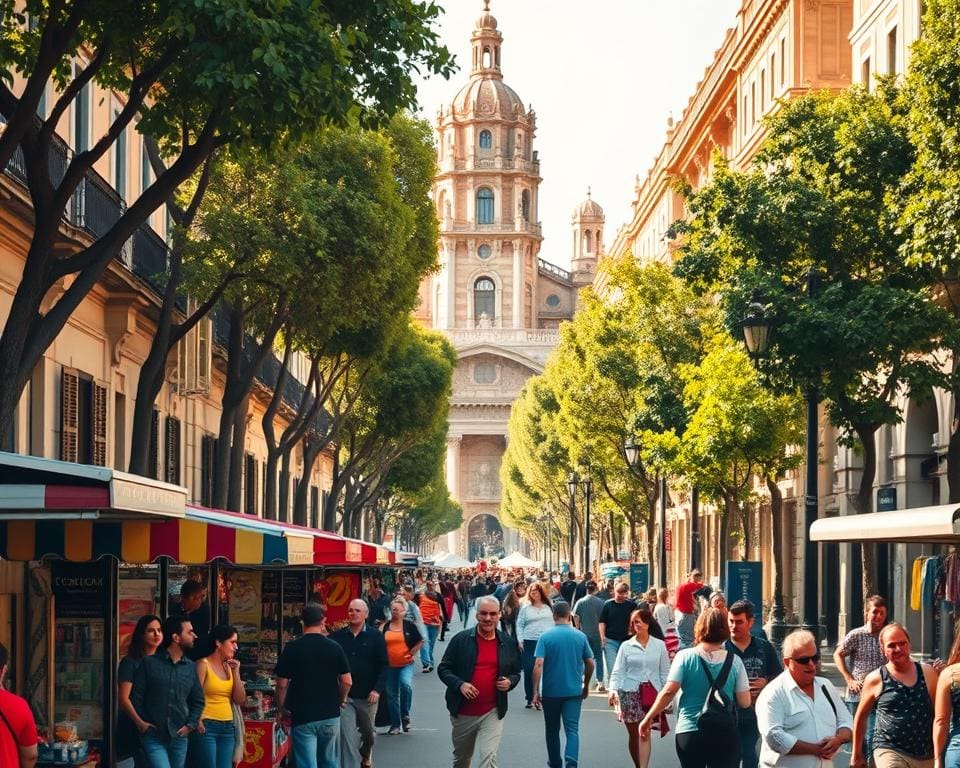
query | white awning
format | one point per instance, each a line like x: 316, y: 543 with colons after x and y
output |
x: 921, y: 525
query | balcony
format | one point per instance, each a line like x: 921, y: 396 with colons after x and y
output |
x: 553, y: 270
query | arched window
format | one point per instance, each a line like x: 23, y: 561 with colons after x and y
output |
x: 486, y: 140
x: 487, y: 58
x: 525, y: 204
x: 484, y: 205
x: 484, y: 299
x: 588, y: 241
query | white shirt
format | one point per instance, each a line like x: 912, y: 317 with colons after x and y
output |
x: 786, y: 715
x: 533, y: 622
x: 663, y: 613
x: 636, y: 664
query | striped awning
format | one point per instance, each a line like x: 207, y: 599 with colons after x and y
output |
x: 200, y: 537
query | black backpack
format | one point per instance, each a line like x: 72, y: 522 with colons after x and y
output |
x: 719, y: 712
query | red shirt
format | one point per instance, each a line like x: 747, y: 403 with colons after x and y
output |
x: 484, y: 679
x: 684, y: 602
x: 18, y: 714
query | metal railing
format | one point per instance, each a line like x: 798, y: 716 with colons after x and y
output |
x: 553, y: 269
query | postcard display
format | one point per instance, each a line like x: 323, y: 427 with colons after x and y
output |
x: 265, y: 607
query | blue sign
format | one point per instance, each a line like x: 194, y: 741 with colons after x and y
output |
x: 639, y: 577
x: 886, y: 499
x: 745, y: 582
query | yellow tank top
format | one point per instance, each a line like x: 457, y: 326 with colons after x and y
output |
x: 218, y: 694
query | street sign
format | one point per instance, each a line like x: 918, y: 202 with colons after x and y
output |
x: 639, y: 577
x: 668, y: 540
x: 886, y: 499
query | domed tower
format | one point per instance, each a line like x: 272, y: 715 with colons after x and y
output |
x: 486, y: 194
x: 588, y: 221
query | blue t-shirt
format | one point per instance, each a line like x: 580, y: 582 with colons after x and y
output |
x: 563, y: 650
x: 687, y: 671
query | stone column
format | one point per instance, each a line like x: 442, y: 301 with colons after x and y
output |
x: 517, y: 285
x: 453, y: 484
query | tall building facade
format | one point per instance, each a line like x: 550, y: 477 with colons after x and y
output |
x: 494, y: 297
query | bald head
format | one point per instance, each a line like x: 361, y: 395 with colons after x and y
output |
x: 357, y: 614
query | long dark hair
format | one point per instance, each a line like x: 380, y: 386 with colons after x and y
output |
x: 139, y: 632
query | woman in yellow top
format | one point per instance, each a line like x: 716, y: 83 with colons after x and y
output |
x: 215, y: 741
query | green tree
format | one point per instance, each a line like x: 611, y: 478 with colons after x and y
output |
x: 931, y: 200
x: 196, y: 76
x: 738, y: 430
x: 818, y: 198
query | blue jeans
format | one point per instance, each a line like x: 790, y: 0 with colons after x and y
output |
x: 527, y: 660
x: 597, y: 659
x: 426, y: 650
x: 163, y: 753
x: 214, y: 747
x: 609, y: 657
x: 317, y: 744
x: 951, y: 757
x: 749, y: 742
x: 567, y: 711
x: 871, y: 727
x: 399, y: 693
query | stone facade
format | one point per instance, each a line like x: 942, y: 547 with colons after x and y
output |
x: 496, y: 299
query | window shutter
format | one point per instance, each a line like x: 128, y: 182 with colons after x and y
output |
x: 173, y: 450
x: 154, y: 454
x: 100, y: 423
x: 250, y: 475
x: 69, y: 417
x: 208, y: 460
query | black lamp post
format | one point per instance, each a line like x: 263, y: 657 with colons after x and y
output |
x: 588, y: 493
x: 756, y: 336
x: 572, y: 482
x: 632, y: 451
x: 545, y: 520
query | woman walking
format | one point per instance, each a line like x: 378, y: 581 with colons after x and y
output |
x: 147, y: 636
x: 535, y: 618
x: 946, y: 714
x: 639, y: 673
x: 434, y: 614
x: 666, y: 618
x: 510, y: 609
x: 403, y: 642
x: 692, y: 671
x: 215, y: 741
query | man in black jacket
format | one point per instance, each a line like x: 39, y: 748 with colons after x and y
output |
x: 367, y: 654
x: 480, y: 666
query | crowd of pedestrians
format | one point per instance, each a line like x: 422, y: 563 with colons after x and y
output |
x: 730, y: 697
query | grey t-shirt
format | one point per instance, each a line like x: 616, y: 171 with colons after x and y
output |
x: 587, y: 609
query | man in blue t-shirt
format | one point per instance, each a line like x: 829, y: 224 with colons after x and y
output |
x: 561, y: 681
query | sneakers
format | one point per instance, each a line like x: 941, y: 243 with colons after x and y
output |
x: 406, y: 724
x: 601, y: 689
x: 393, y: 732
x: 426, y: 668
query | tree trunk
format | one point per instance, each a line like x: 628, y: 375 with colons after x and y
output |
x: 776, y: 534
x: 235, y: 493
x: 230, y: 403
x: 311, y: 451
x: 330, y: 510
x: 867, y: 432
x: 953, y: 462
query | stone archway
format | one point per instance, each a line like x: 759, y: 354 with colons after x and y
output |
x: 484, y: 537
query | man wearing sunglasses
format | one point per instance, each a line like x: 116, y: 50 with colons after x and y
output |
x: 800, y: 716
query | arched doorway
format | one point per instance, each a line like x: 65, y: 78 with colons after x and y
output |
x: 484, y: 538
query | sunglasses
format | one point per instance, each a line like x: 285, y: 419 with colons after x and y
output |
x: 806, y: 659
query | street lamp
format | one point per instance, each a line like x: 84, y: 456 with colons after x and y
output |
x: 572, y: 482
x: 756, y: 335
x: 632, y: 451
x: 545, y: 519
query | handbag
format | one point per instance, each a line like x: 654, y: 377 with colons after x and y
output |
x: 239, y: 732
x: 648, y: 695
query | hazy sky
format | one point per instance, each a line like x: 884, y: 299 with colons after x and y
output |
x: 603, y: 77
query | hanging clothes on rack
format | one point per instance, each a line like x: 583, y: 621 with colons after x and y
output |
x: 916, y: 583
x: 928, y: 587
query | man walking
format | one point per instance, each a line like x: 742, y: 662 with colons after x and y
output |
x: 799, y: 715
x: 686, y: 605
x: 18, y: 736
x: 366, y: 654
x: 378, y: 605
x: 586, y: 618
x: 614, y: 624
x: 479, y: 667
x: 167, y: 697
x: 760, y: 660
x: 902, y: 693
x: 859, y: 654
x: 313, y: 679
x: 561, y: 681
x: 569, y: 588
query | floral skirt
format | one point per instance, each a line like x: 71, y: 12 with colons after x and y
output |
x: 631, y: 709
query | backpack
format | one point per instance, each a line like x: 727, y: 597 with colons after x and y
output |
x: 719, y: 712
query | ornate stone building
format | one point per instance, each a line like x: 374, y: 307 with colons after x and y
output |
x: 496, y: 299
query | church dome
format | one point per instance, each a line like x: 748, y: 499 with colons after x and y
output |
x: 588, y: 209
x: 488, y: 97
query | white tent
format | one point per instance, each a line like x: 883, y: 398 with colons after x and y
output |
x: 450, y: 560
x: 516, y: 560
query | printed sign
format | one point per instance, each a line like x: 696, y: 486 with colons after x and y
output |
x: 639, y: 577
x: 745, y: 582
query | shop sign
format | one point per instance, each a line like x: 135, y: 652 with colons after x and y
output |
x: 639, y: 577
x: 337, y: 589
x: 886, y: 499
x: 668, y: 540
x: 139, y: 497
x: 79, y: 588
x: 353, y: 552
x: 383, y: 556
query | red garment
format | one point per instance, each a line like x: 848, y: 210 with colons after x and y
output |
x: 684, y: 602
x: 430, y: 610
x: 18, y: 714
x: 484, y: 679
